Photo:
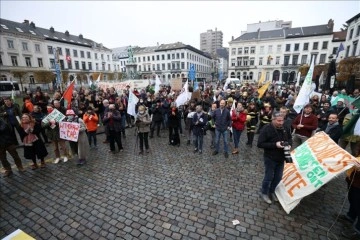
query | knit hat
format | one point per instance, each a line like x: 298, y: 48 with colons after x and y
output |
x: 70, y: 112
x: 340, y: 100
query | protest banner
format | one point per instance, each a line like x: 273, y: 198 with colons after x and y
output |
x: 315, y: 162
x: 133, y: 100
x: 176, y: 84
x: 69, y: 131
x: 54, y: 115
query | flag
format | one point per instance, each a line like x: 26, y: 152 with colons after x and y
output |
x: 262, y: 78
x: 298, y: 80
x: 67, y: 96
x: 157, y: 84
x: 306, y: 89
x: 184, y: 96
x: 233, y: 106
x: 133, y: 100
x: 263, y: 89
x: 68, y: 58
x: 196, y: 85
x: 341, y: 48
x: 98, y: 79
x: 321, y: 79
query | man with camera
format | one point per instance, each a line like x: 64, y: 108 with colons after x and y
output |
x: 276, y: 141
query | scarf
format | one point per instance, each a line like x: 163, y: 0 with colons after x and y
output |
x: 330, y: 126
x: 30, y: 138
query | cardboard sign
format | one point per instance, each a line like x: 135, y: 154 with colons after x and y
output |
x: 315, y: 162
x: 54, y: 115
x: 69, y: 131
x: 18, y: 235
x: 176, y: 84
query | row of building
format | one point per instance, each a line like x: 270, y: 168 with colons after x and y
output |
x: 273, y: 47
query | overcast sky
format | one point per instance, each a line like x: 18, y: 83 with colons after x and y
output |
x: 146, y: 23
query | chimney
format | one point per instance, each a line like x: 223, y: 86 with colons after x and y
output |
x: 258, y: 33
x: 330, y: 24
x: 52, y: 30
x: 232, y: 38
x: 26, y: 22
x: 32, y: 24
x: 81, y: 36
x: 67, y: 33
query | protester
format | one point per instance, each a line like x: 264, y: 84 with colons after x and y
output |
x: 222, y: 121
x: 142, y: 123
x: 52, y: 131
x: 10, y: 112
x: 39, y: 116
x: 33, y: 145
x: 349, y: 137
x: 211, y: 125
x: 273, y: 138
x: 199, y: 122
x: 8, y: 144
x: 91, y: 121
x: 251, y: 121
x: 238, y: 118
x: 173, y: 116
x: 112, y: 119
x: 157, y: 118
x: 341, y: 110
x: 333, y: 128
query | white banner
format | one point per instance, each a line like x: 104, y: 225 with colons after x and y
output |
x: 133, y: 100
x: 69, y: 131
x: 54, y: 115
x: 306, y: 89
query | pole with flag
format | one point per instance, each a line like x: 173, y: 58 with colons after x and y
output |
x: 341, y: 48
x: 298, y: 80
x: 305, y: 91
x: 157, y: 84
x: 262, y: 78
x: 67, y: 96
x: 321, y: 79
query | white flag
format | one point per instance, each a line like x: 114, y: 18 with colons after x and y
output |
x: 157, y: 84
x: 298, y: 80
x: 184, y: 96
x: 98, y: 79
x: 133, y: 100
x: 233, y: 106
x: 306, y: 89
x: 321, y: 79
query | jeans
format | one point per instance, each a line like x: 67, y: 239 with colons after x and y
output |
x: 91, y: 135
x: 165, y: 120
x: 157, y: 125
x: 273, y: 175
x: 354, y: 209
x: 199, y: 139
x: 218, y: 134
x: 298, y: 140
x: 143, y: 137
x: 115, y: 137
x: 12, y: 150
x: 236, y: 136
x: 123, y: 122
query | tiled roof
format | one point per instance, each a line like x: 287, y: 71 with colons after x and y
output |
x: 48, y: 34
x: 339, y: 36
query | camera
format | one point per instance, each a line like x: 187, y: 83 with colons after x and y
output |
x: 287, y: 154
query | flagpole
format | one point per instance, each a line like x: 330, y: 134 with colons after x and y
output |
x: 66, y: 88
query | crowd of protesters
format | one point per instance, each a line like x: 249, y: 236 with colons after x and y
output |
x: 222, y: 113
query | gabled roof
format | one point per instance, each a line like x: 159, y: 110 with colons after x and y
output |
x: 353, y: 18
x: 317, y: 30
x: 339, y: 36
x: 30, y: 29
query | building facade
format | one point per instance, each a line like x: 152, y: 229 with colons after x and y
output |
x: 25, y: 47
x: 168, y: 61
x: 280, y: 52
x: 211, y: 40
x: 351, y: 45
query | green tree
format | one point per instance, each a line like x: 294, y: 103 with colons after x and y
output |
x: 44, y: 76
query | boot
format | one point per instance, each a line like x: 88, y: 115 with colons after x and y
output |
x: 248, y: 138
x: 235, y: 151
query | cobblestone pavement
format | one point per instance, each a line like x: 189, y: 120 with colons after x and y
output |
x: 170, y: 193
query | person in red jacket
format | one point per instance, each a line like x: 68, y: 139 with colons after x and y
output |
x: 91, y: 121
x: 238, y: 118
x: 304, y: 124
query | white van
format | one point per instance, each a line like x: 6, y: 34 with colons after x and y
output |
x: 232, y: 83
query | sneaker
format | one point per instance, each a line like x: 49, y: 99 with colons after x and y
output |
x: 141, y: 152
x: 8, y: 173
x: 226, y: 155
x: 195, y: 150
x: 57, y: 160
x: 34, y: 166
x: 266, y: 198
x: 200, y: 152
x: 65, y: 159
x: 214, y: 153
x: 274, y: 197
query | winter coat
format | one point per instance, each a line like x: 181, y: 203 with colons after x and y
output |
x: 116, y: 118
x: 15, y: 110
x: 199, y: 122
x: 91, y: 124
x: 83, y: 144
x: 238, y: 120
x: 143, y: 122
x: 157, y: 114
x: 222, y: 120
x: 173, y: 120
x: 52, y: 133
x: 38, y: 148
x: 8, y: 136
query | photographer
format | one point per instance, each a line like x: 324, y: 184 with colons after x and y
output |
x: 276, y: 142
x: 91, y: 121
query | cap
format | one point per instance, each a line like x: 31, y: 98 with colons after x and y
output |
x: 340, y: 100
x: 70, y: 112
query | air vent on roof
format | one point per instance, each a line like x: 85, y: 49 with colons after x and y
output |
x: 46, y: 35
x: 79, y: 42
x: 32, y: 24
x: 4, y: 26
x: 32, y: 32
x: 297, y: 33
x: 71, y: 40
x: 63, y: 39
x: 67, y: 33
x: 81, y: 36
x: 52, y: 29
x: 55, y: 37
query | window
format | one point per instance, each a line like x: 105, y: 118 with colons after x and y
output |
x: 3, y: 78
x: 169, y: 66
x: 102, y: 58
x: 96, y: 66
x: 182, y: 65
x: 262, y: 49
x: 158, y: 67
x: 28, y: 61
x: 50, y: 50
x: 287, y: 47
x: 252, y: 61
x: 177, y: 55
x: 163, y: 66
x: 233, y: 51
x: 322, y: 58
x: 325, y: 45
x: 31, y: 79
x: 25, y: 46
x: 239, y: 50
x: 14, y: 61
x: 1, y: 62
x: 10, y: 44
x: 67, y: 51
x: 157, y: 57
x: 351, y: 34
x: 96, y: 57
x: 295, y: 59
x: 315, y: 45
x: 260, y: 60
x: 139, y: 68
x: 354, y: 48
x: 286, y: 60
x: 270, y: 49
x: 82, y: 54
x: 52, y: 63
x: 252, y: 50
x: 163, y: 57
x: 109, y: 69
x: 83, y: 65
x: 75, y: 53
x: 278, y: 48
x: 37, y: 47
x: 173, y: 56
x: 233, y: 61
x: 277, y: 60
x: 306, y: 46
x: 148, y: 58
x: 239, y: 61
x: 144, y: 59
x: 334, y: 51
x: 303, y: 59
x: 313, y: 56
x: 88, y: 54
x: 173, y: 66
x: 153, y: 58
x: 108, y: 58
x: 62, y: 66
x: 59, y: 51
x: 69, y: 65
x: 168, y: 57
x: 77, y: 65
x: 139, y: 60
x: 246, y: 60
x: 182, y: 55
x: 358, y: 31
x: 296, y: 46
x: 246, y: 50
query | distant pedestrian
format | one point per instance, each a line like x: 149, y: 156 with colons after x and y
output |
x: 222, y: 121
